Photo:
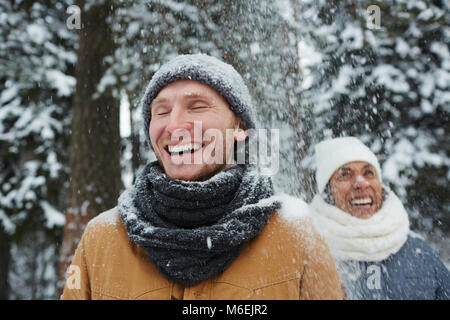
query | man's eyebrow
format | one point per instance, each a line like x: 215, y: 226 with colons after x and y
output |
x: 189, y: 95
x: 159, y: 100
x: 367, y: 166
x: 345, y: 169
x: 196, y: 95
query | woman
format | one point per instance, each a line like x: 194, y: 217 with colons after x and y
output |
x: 367, y: 228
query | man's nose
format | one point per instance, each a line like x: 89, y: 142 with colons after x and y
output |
x: 178, y: 121
x: 360, y: 182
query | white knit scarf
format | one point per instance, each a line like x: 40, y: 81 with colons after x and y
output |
x: 372, y: 239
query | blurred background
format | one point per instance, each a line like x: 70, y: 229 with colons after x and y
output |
x: 72, y: 74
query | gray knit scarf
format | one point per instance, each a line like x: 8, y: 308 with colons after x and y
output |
x: 193, y: 230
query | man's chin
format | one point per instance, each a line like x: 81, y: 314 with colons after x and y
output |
x: 192, y: 172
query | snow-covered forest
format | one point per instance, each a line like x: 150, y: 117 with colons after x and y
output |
x: 71, y: 132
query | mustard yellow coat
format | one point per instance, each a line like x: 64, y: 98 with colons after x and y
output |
x: 287, y: 260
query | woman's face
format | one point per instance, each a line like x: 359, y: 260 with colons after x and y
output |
x: 356, y: 189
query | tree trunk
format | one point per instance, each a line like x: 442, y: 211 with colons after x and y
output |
x: 5, y: 259
x: 299, y: 116
x: 134, y: 140
x: 95, y: 173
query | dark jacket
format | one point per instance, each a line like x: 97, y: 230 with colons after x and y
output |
x: 414, y: 272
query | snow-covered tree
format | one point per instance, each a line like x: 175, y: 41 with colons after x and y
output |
x: 95, y: 146
x: 36, y: 84
x: 390, y: 86
x: 253, y: 36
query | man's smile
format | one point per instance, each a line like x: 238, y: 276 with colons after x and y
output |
x: 178, y: 149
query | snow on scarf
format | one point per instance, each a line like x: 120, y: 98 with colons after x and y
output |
x: 193, y: 230
x: 372, y: 239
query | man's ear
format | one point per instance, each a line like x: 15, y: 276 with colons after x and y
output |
x: 240, y: 131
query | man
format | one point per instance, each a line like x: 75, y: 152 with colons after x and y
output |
x: 367, y: 228
x: 197, y: 225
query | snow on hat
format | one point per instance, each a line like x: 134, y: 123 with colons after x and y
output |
x: 218, y: 75
x: 334, y: 153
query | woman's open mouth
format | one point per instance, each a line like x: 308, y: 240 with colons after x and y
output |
x: 361, y: 202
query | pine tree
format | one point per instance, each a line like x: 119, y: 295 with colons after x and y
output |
x: 389, y: 86
x: 36, y: 84
x: 95, y: 173
x: 253, y: 36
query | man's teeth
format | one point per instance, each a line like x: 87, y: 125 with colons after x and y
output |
x: 192, y: 147
x: 361, y: 202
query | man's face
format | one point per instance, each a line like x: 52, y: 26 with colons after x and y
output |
x: 192, y: 123
x: 356, y: 189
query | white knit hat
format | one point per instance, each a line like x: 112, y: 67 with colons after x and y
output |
x: 334, y: 153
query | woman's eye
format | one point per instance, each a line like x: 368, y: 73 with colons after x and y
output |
x: 369, y: 173
x: 344, y: 175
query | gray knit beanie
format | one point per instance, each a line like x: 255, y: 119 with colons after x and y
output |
x: 218, y: 75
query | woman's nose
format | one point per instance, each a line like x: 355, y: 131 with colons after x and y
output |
x: 360, y: 182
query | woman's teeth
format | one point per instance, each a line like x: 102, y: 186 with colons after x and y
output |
x: 361, y: 202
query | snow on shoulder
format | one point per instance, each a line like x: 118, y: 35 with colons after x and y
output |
x: 107, y: 218
x: 292, y: 208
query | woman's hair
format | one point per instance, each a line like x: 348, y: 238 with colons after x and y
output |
x: 327, y: 196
